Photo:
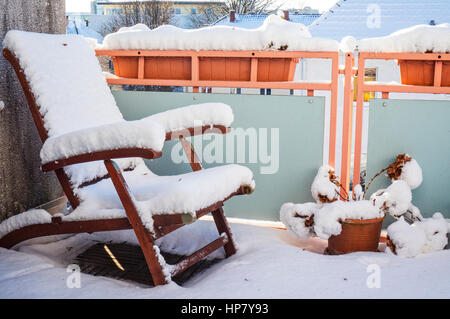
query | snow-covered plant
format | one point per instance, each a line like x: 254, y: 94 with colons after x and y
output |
x: 299, y: 218
x: 410, y: 236
x: 405, y: 174
x: 325, y: 187
x: 328, y: 220
x: 394, y: 200
x: 403, y: 168
x: 323, y: 218
x: 410, y: 240
x: 407, y: 169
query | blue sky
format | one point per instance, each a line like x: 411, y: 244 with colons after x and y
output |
x: 84, y: 5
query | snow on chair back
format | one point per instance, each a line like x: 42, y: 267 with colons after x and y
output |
x: 70, y: 90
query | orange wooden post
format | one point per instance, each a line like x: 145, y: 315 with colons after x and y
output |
x: 359, y: 120
x: 333, y: 108
x: 347, y: 123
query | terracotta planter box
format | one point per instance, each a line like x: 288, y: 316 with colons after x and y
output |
x: 356, y: 235
x: 210, y: 68
x: 418, y: 72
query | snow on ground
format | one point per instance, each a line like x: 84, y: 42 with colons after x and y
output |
x: 270, y: 263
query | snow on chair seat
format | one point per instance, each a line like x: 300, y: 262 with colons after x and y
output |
x: 184, y: 193
x: 83, y: 131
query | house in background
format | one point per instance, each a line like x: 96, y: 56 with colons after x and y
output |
x: 183, y: 13
x: 253, y: 21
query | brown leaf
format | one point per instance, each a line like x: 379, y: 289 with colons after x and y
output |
x: 394, y: 170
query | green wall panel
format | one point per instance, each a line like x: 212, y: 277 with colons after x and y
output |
x: 300, y: 121
x: 421, y: 129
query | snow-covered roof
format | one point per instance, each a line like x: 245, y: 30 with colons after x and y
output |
x: 253, y: 21
x: 369, y: 18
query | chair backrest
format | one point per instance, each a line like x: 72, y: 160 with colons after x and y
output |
x: 66, y: 80
x: 68, y: 88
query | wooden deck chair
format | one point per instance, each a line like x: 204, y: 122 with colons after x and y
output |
x: 83, y: 131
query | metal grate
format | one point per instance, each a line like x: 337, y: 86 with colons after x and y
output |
x: 126, y: 262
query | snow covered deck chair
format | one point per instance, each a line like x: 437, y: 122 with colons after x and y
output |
x: 83, y: 131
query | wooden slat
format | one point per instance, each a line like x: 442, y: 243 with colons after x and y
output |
x: 141, y: 62
x: 405, y: 56
x: 222, y: 227
x: 82, y: 226
x: 321, y: 86
x: 217, y: 53
x: 39, y: 122
x: 401, y: 88
x: 254, y: 70
x: 100, y: 156
x: 199, y: 255
x: 143, y: 235
x: 194, y: 161
x: 347, y: 124
x: 437, y: 73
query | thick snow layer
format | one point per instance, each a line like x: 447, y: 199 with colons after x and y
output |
x: 419, y: 38
x: 407, y: 239
x: 185, y: 193
x: 421, y: 237
x: 322, y: 187
x: 327, y: 219
x: 70, y: 89
x: 412, y: 174
x: 79, y: 111
x: 275, y: 34
x: 195, y: 115
x: 395, y: 200
x: 296, y: 218
x: 66, y: 80
x: 435, y: 229
x: 270, y: 263
x: 31, y: 217
x: 143, y: 133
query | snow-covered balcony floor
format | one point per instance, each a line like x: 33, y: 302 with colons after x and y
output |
x: 270, y: 263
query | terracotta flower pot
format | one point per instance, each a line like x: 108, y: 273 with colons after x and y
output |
x: 356, y: 235
x: 419, y: 72
x: 210, y: 68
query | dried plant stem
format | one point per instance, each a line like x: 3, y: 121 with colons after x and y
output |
x: 371, y: 180
x: 346, y: 198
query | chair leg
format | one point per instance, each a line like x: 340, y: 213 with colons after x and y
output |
x: 222, y: 227
x: 145, y: 238
x: 151, y: 257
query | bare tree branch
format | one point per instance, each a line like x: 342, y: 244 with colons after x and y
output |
x: 152, y: 13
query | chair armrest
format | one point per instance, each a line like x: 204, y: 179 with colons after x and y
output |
x: 142, y: 138
x: 195, y: 119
